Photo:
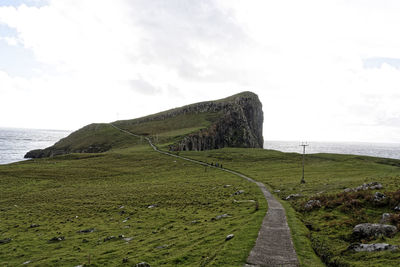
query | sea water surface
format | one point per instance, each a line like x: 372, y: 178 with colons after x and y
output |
x: 382, y: 150
x: 14, y: 143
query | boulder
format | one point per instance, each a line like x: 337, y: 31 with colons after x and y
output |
x: 312, y: 203
x: 238, y: 193
x: 292, y: 196
x: 5, y: 241
x: 229, y: 237
x: 366, y: 230
x: 142, y: 264
x: 378, y: 197
x: 373, y: 185
x: 220, y: 217
x: 57, y: 239
x: 371, y: 247
x: 385, y: 218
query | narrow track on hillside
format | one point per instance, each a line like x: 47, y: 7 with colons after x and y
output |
x: 274, y: 246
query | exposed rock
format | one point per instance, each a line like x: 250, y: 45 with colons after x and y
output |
x: 366, y: 230
x: 142, y: 264
x: 152, y: 206
x: 26, y: 262
x: 312, y: 203
x: 5, y: 241
x: 239, y: 126
x: 385, y: 218
x: 90, y: 230
x: 229, y: 237
x: 127, y: 239
x: 373, y: 185
x: 108, y: 238
x: 378, y: 197
x: 371, y: 247
x: 57, y: 239
x: 221, y: 217
x: 238, y: 193
x: 292, y: 196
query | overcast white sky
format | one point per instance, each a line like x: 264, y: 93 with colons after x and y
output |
x: 324, y: 70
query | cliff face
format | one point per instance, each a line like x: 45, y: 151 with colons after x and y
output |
x: 240, y: 124
x: 235, y: 121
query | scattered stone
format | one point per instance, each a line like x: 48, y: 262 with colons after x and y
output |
x: 378, y: 197
x: 124, y: 221
x: 312, y: 204
x: 229, y: 237
x: 122, y: 212
x: 371, y: 247
x: 370, y: 230
x: 142, y: 264
x: 373, y: 185
x: 152, y: 206
x: 34, y: 225
x: 238, y: 193
x: 124, y: 260
x: 5, y: 241
x: 244, y: 201
x: 57, y: 239
x: 292, y: 196
x: 220, y: 217
x: 227, y: 185
x: 162, y: 247
x: 108, y: 238
x: 127, y: 239
x: 26, y: 262
x: 277, y: 191
x: 121, y: 207
x: 397, y: 208
x: 90, y: 230
x: 385, y: 218
x: 194, y: 222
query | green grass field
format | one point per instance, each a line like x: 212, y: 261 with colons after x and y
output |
x: 111, y: 193
x: 329, y: 227
x: 68, y: 194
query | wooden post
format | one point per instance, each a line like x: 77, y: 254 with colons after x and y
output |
x: 303, y: 144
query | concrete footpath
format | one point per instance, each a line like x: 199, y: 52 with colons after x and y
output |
x: 274, y: 246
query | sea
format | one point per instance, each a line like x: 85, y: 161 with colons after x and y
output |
x: 15, y: 143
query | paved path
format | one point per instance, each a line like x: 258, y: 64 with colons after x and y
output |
x: 274, y: 246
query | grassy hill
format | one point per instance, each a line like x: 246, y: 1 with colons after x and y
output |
x: 130, y: 204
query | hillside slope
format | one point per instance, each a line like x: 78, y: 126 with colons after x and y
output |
x: 235, y: 121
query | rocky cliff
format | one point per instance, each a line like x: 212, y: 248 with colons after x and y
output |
x: 236, y: 121
x: 240, y: 124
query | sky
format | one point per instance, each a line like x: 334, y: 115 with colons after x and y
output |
x: 323, y: 70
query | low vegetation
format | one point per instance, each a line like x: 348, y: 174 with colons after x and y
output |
x: 330, y: 224
x: 123, y: 207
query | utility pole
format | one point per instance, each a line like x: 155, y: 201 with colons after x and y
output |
x: 303, y: 144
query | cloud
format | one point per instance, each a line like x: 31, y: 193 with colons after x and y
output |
x: 143, y: 87
x: 323, y: 70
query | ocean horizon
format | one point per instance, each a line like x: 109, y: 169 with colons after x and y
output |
x: 15, y: 143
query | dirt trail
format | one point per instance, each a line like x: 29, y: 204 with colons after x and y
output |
x: 274, y: 246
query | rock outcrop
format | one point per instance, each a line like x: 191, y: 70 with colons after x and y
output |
x: 235, y: 121
x: 240, y: 124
